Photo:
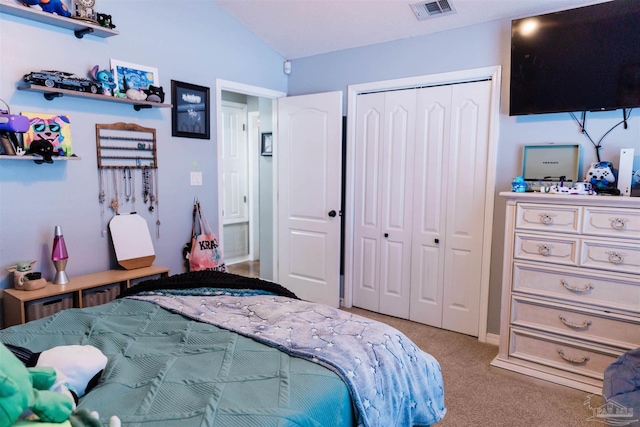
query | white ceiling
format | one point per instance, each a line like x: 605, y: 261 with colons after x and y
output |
x: 301, y: 28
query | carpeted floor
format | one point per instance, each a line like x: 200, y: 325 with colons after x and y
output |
x: 479, y: 395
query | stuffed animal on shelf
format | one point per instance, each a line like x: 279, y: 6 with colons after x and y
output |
x: 27, y: 389
x: 50, y: 6
x: 154, y: 93
x: 105, y: 78
x: 105, y: 20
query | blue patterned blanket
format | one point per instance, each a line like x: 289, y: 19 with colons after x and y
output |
x: 392, y: 382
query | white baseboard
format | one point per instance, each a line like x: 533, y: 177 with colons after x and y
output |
x: 493, y: 339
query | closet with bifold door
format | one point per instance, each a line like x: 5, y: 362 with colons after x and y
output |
x: 419, y: 186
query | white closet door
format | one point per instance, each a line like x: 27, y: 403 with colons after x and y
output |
x: 433, y: 123
x: 397, y: 202
x: 367, y: 205
x: 382, y: 228
x: 467, y: 171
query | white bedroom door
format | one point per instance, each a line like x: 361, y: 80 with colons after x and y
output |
x: 235, y: 174
x: 309, y: 156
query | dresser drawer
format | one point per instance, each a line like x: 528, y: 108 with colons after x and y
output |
x: 611, y: 255
x: 600, y: 289
x: 546, y: 248
x: 561, y: 353
x: 609, y: 222
x: 564, y: 219
x: 593, y: 325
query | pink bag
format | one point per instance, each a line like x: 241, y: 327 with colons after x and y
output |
x: 206, y: 253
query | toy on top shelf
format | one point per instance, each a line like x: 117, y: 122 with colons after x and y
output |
x: 50, y: 6
x: 105, y: 78
x: 84, y: 9
x: 105, y: 21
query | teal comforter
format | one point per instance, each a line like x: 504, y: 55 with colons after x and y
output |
x: 166, y: 370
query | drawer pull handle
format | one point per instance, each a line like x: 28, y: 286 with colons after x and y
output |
x: 575, y: 325
x: 546, y: 219
x: 544, y: 250
x: 618, y: 223
x: 577, y: 361
x: 615, y: 257
x: 586, y: 287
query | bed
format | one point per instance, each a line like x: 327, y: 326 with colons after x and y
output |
x: 217, y: 349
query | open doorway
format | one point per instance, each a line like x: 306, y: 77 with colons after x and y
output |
x: 245, y: 178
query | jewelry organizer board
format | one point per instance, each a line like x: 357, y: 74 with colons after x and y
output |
x: 126, y: 151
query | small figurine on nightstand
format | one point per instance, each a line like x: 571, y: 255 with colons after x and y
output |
x: 24, y: 279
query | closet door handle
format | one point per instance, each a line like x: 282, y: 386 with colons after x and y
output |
x: 386, y: 234
x: 332, y: 214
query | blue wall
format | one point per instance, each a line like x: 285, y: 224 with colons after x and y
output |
x: 190, y: 41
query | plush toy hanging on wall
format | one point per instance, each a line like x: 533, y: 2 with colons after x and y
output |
x: 50, y: 6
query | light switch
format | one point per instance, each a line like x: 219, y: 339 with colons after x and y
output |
x: 196, y: 178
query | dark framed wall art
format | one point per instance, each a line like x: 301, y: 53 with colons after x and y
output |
x: 190, y: 114
x: 267, y: 144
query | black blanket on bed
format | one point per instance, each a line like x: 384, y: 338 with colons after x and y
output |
x: 208, y: 279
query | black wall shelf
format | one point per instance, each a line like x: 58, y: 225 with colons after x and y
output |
x: 79, y: 27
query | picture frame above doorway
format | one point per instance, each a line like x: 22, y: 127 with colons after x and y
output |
x: 190, y: 113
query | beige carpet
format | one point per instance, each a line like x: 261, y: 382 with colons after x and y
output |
x: 479, y: 395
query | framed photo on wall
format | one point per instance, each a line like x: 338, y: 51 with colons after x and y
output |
x: 137, y: 76
x: 267, y: 144
x: 190, y: 111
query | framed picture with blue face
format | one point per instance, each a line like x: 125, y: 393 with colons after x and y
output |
x: 190, y: 110
x: 133, y: 76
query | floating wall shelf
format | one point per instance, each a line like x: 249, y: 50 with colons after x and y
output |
x: 79, y: 27
x: 35, y: 157
x: 51, y: 93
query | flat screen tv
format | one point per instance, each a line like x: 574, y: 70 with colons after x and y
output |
x: 584, y: 59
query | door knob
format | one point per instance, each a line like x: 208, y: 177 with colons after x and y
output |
x: 436, y: 240
x: 332, y: 214
x: 386, y: 234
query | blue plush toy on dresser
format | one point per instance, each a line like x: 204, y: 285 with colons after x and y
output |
x: 51, y: 6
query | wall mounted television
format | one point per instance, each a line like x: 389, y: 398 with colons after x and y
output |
x: 584, y: 59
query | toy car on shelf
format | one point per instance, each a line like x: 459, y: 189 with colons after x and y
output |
x: 61, y: 80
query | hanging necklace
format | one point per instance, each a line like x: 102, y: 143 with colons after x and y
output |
x: 133, y: 193
x: 152, y: 197
x: 145, y: 184
x: 155, y: 178
x: 102, y: 197
x: 115, y: 203
x: 127, y: 185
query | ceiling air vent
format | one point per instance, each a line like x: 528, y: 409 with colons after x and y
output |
x: 432, y: 9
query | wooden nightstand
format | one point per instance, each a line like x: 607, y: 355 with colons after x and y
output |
x: 81, y: 291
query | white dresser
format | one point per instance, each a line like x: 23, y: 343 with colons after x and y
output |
x: 570, y: 287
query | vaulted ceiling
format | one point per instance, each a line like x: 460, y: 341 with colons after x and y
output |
x: 301, y: 28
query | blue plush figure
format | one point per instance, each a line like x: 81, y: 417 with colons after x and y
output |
x: 51, y: 6
x: 105, y: 78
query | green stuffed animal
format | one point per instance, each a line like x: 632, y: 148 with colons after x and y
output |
x: 24, y: 388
